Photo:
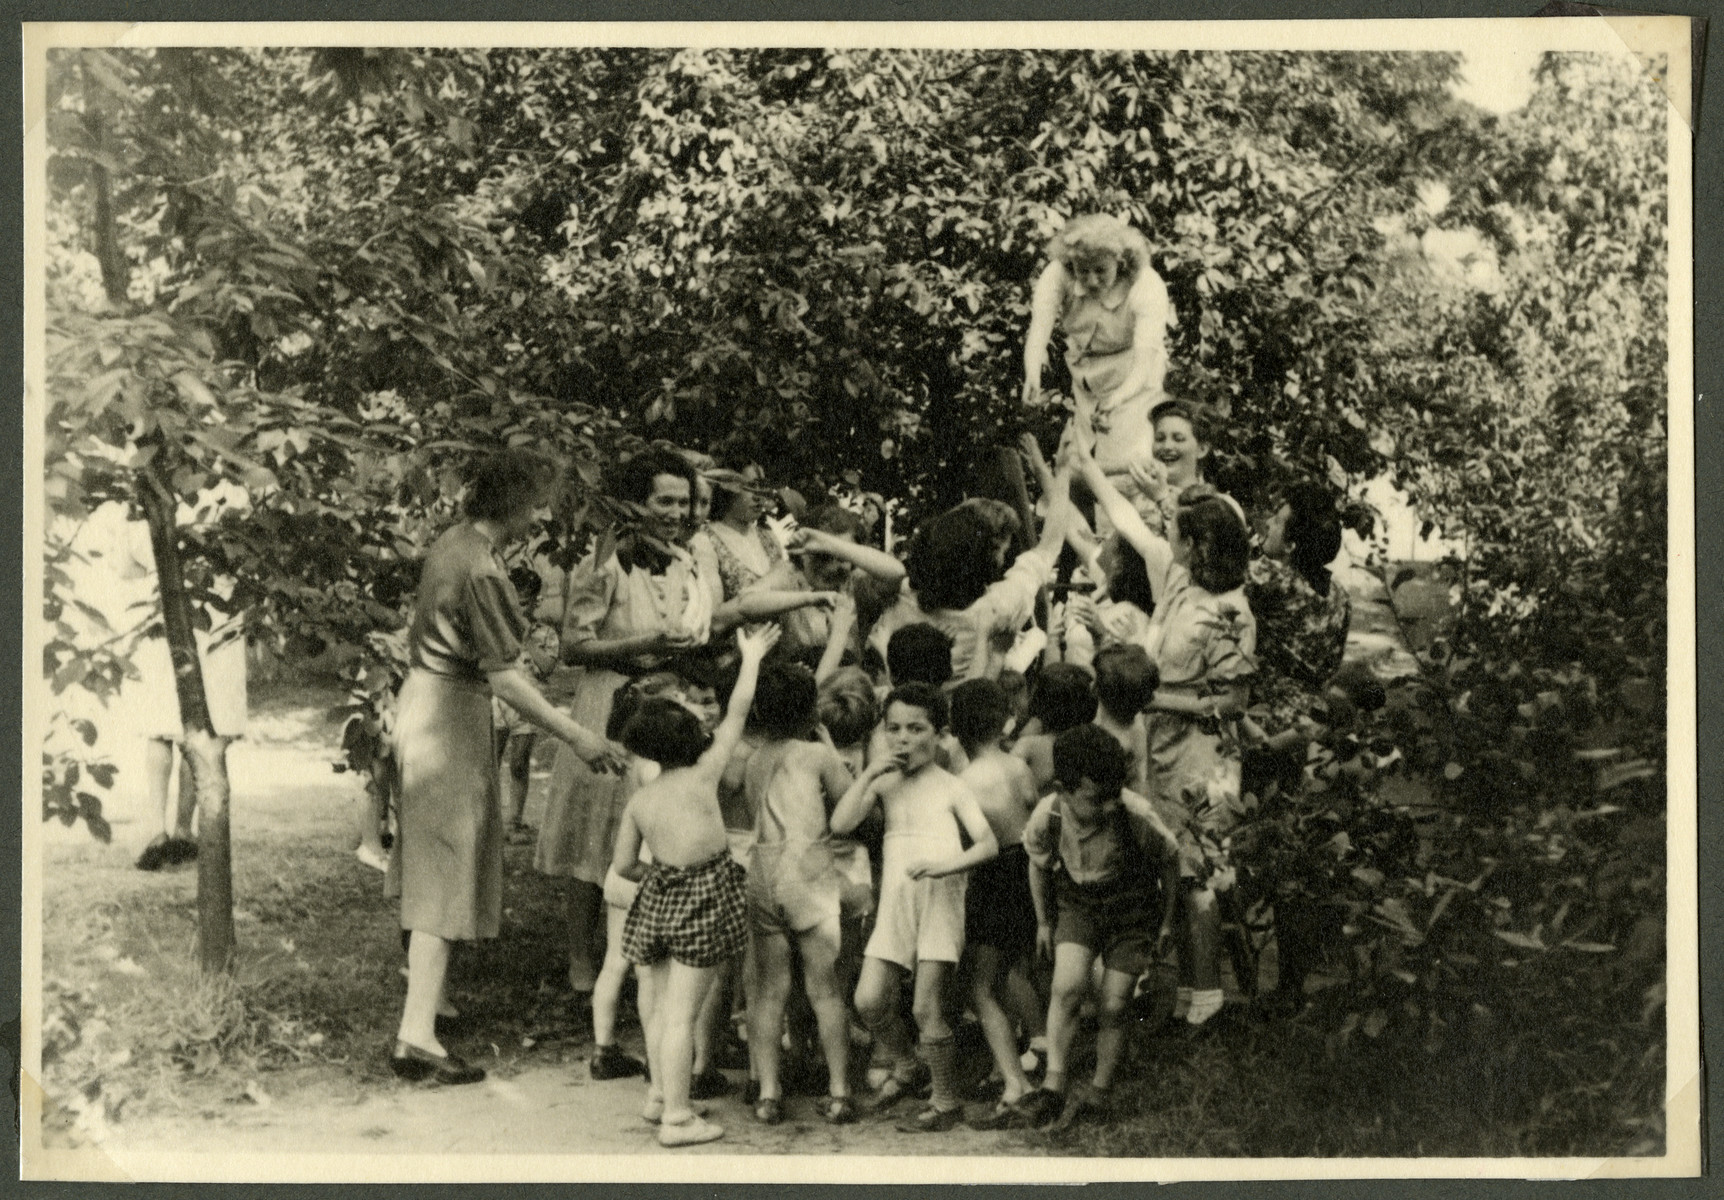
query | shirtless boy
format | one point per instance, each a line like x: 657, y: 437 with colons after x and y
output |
x: 919, y: 929
x: 794, y: 888
x: 999, y: 913
x: 691, y: 913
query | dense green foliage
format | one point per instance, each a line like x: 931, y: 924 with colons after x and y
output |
x: 348, y: 270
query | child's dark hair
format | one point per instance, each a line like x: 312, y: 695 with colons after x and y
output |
x: 1129, y: 579
x: 1125, y: 680
x: 786, y: 700
x: 924, y: 696
x: 664, y: 731
x: 1090, y: 752
x: 979, y: 713
x: 951, y: 559
x: 1313, y: 533
x: 1064, y: 697
x: 919, y: 653
x: 1220, y: 550
x: 632, y: 695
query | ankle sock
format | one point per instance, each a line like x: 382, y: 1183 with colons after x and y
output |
x: 1205, y: 1003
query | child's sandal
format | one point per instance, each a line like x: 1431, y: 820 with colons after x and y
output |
x: 839, y: 1110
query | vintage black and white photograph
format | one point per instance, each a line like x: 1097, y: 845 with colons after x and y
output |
x: 859, y: 602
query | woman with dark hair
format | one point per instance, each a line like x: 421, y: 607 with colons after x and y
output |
x: 633, y: 605
x: 1202, y: 638
x: 758, y: 581
x: 1302, y: 614
x: 463, y: 647
x: 956, y: 583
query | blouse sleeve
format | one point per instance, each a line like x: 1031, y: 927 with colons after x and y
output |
x: 1225, y: 658
x: 495, y: 621
x: 592, y: 587
x: 1013, y: 598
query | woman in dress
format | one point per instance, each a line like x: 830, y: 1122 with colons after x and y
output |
x: 1202, y: 638
x: 463, y: 647
x: 633, y: 605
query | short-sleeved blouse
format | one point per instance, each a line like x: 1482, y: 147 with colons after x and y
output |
x: 617, y: 600
x: 468, y: 620
x: 1200, y: 637
x: 1300, y: 634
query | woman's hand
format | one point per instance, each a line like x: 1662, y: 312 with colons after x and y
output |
x: 1034, y: 364
x: 1082, y: 608
x: 826, y: 601
x: 601, y: 756
x: 754, y: 641
x: 1150, y: 477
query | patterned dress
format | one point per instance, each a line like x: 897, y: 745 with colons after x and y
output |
x: 1301, y: 639
x: 633, y: 592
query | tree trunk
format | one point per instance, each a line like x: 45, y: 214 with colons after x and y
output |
x: 203, y: 752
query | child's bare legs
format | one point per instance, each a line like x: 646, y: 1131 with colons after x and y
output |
x: 1110, y: 1036
x: 877, y: 993
x: 583, y: 902
x: 987, y: 980
x: 768, y: 990
x: 1018, y: 997
x: 649, y: 987
x: 516, y: 771
x: 427, y: 967
x: 819, y: 948
x: 682, y: 990
x: 1071, y: 980
x: 608, y: 988
x: 714, y: 1010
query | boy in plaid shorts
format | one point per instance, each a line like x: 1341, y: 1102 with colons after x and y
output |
x: 691, y: 913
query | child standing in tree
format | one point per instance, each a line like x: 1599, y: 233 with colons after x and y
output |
x: 691, y: 913
x: 919, y: 929
x: 1101, y: 291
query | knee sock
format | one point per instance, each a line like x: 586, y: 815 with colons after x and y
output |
x: 941, y: 1055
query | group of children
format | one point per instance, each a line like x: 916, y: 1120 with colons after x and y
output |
x: 1014, y: 839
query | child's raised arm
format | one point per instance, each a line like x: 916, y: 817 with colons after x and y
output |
x: 1157, y: 554
x: 753, y: 643
x: 859, y: 797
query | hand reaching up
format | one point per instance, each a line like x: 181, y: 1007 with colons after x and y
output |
x: 755, y: 641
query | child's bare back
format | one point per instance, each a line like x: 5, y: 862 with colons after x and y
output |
x: 678, y: 817
x: 1006, y: 789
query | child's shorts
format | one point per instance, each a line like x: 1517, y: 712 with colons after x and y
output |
x: 919, y: 920
x: 792, y: 889
x: 998, y: 910
x: 620, y: 892
x: 1115, y: 921
x: 697, y: 915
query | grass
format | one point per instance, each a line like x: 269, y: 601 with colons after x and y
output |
x: 130, y: 1027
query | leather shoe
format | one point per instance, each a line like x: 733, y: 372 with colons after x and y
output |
x: 416, y: 1064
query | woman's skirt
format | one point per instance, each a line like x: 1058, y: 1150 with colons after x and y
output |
x: 582, y: 807
x: 222, y: 656
x: 447, y: 861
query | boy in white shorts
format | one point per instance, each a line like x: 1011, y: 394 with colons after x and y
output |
x: 919, y: 926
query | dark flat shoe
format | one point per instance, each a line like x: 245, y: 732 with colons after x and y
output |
x: 155, y: 854
x: 416, y: 1064
x: 459, y: 1025
x: 710, y: 1084
x: 933, y: 1120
